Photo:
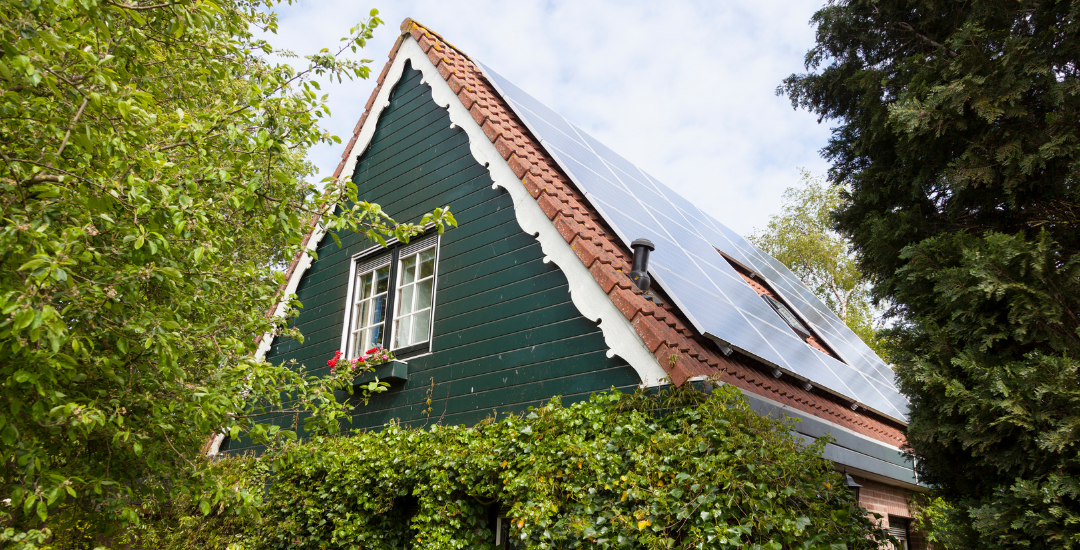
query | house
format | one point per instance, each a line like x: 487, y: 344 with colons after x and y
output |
x: 531, y: 296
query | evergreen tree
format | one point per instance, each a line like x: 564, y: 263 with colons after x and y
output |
x: 958, y: 135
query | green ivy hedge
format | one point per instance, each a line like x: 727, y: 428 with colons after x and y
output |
x: 678, y: 469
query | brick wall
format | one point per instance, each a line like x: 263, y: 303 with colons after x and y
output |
x: 889, y: 500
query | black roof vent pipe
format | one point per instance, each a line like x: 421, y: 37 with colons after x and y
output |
x: 639, y: 272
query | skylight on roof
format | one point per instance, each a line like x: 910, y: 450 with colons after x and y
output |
x: 787, y: 315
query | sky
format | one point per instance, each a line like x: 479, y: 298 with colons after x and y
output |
x: 685, y: 90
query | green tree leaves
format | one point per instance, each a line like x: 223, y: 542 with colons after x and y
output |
x: 675, y: 470
x: 152, y: 181
x: 959, y: 142
x: 802, y: 237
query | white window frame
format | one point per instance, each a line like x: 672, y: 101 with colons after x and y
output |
x: 358, y: 268
x: 413, y: 249
x: 373, y: 256
x: 500, y: 522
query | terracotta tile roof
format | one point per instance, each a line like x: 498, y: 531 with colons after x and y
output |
x: 681, y: 351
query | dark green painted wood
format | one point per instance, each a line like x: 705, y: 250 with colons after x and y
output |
x: 506, y: 335
x: 517, y: 289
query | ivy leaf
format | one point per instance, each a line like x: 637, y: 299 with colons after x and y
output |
x: 802, y: 523
x: 9, y: 434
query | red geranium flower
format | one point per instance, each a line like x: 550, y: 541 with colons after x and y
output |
x: 333, y: 362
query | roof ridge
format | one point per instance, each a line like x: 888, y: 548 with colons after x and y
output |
x: 409, y: 24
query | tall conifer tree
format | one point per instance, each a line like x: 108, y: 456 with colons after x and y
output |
x: 958, y: 135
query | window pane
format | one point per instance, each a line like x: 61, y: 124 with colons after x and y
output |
x: 379, y: 313
x: 427, y: 263
x: 420, y: 327
x: 374, y: 340
x: 363, y: 309
x: 369, y: 305
x: 402, y: 330
x: 363, y: 282
x: 362, y: 342
x: 383, y: 279
x: 354, y: 346
x: 785, y: 313
x: 423, y: 294
x: 405, y: 300
x: 408, y: 270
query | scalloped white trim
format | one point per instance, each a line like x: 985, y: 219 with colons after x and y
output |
x: 586, y: 294
x: 215, y: 444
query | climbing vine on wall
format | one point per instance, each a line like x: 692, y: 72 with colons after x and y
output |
x: 678, y: 469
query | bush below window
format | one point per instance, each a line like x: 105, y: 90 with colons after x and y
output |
x: 676, y: 470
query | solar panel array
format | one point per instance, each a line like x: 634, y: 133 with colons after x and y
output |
x: 686, y: 264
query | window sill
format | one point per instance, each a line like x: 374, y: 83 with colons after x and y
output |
x: 394, y: 371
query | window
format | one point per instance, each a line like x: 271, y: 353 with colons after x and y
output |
x: 369, y: 306
x: 415, y: 290
x: 391, y: 298
x: 503, y: 539
x: 898, y: 528
x: 762, y: 287
x: 787, y: 315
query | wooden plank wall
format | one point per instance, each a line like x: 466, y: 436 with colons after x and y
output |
x: 506, y: 335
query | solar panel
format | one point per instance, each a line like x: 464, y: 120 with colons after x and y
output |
x: 708, y: 290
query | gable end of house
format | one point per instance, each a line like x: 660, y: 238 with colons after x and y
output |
x: 553, y: 226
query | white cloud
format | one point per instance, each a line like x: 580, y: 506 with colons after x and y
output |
x: 685, y: 90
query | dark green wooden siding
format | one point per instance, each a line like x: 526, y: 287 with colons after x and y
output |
x: 506, y: 335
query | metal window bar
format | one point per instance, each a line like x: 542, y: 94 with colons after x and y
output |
x: 898, y: 528
x: 413, y: 248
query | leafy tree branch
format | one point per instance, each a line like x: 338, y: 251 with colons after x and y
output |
x: 152, y: 179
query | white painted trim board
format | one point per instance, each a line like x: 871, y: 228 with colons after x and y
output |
x: 586, y: 294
